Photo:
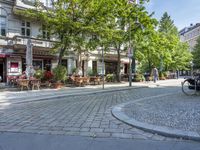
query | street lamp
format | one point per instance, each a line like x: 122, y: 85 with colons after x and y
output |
x: 103, y: 68
x: 102, y: 63
x: 130, y: 55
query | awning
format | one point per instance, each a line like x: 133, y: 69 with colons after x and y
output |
x: 3, y: 55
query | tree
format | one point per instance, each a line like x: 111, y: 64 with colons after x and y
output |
x: 196, y: 55
x: 74, y: 23
x: 167, y: 25
x: 130, y: 19
x: 170, y: 46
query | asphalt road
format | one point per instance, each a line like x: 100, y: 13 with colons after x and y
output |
x: 21, y: 141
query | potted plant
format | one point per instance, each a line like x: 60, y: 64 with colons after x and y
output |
x: 59, y: 75
x: 161, y: 76
x: 138, y: 77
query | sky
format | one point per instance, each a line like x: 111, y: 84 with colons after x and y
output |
x: 183, y: 12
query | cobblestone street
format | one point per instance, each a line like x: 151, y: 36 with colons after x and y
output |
x: 79, y: 115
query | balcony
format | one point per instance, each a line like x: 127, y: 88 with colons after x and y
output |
x: 30, y: 4
x: 21, y: 41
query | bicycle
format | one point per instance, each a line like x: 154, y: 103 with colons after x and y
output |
x: 191, y: 86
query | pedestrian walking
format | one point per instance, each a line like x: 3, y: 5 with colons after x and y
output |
x: 155, y: 74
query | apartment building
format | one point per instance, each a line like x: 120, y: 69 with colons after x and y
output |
x: 190, y: 35
x: 15, y: 32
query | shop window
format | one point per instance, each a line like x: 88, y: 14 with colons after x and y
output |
x: 26, y: 28
x: 47, y: 65
x: 38, y: 64
x: 64, y: 62
x: 3, y: 25
x: 94, y: 67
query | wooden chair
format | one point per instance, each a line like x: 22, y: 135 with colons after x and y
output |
x: 95, y: 80
x: 23, y: 83
x: 86, y: 80
x: 78, y: 81
x: 35, y: 83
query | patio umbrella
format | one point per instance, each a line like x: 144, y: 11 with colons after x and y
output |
x: 29, y: 59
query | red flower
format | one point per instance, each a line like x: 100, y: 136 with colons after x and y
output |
x: 48, y: 75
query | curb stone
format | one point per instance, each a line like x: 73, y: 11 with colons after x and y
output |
x: 45, y: 97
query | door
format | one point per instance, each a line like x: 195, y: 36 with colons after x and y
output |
x: 1, y: 72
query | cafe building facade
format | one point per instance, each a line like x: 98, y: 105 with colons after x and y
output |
x: 15, y: 32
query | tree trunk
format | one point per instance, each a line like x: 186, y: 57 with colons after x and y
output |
x: 118, y: 65
x: 61, y: 54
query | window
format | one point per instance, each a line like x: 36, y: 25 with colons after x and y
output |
x: 3, y: 25
x: 47, y: 3
x: 26, y: 28
x: 45, y: 33
x: 29, y: 2
x: 38, y: 64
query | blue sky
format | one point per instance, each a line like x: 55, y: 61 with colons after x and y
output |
x: 183, y: 12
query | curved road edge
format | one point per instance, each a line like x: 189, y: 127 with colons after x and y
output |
x: 117, y: 112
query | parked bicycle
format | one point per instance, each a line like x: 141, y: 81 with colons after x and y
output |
x: 191, y: 86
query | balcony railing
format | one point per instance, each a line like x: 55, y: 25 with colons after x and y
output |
x: 22, y: 40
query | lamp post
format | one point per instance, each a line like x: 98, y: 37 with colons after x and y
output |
x: 103, y: 68
x: 130, y: 55
x: 102, y: 64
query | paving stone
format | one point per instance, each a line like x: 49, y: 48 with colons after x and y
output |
x: 87, y: 115
x: 84, y: 129
x: 122, y: 135
x: 113, y: 130
x: 96, y: 130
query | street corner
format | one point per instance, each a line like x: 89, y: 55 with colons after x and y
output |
x: 174, y: 115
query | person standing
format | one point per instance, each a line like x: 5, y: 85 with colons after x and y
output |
x: 155, y: 74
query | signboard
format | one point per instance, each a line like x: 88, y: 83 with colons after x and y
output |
x: 14, y: 67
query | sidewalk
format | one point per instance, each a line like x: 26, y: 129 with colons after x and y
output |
x: 13, y: 97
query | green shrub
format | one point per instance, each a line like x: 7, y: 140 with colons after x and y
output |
x: 165, y: 74
x: 60, y: 73
x: 110, y: 77
x: 161, y: 76
x: 138, y: 78
x: 39, y: 74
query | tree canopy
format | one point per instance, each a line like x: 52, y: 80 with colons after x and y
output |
x: 83, y: 25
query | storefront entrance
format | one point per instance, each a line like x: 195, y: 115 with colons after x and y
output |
x: 1, y: 71
x: 110, y: 67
